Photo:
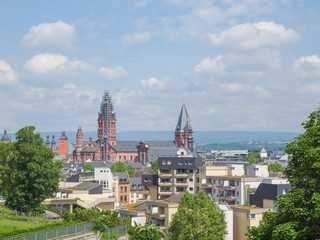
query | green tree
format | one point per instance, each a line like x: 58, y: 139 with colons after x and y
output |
x: 250, y: 159
x: 298, y: 215
x: 155, y: 167
x: 88, y: 167
x: 27, y: 171
x: 275, y: 167
x: 197, y: 218
x: 121, y: 167
x: 145, y: 232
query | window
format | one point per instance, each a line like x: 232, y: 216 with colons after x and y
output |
x: 180, y: 162
x: 125, y: 158
x: 191, y: 189
x: 130, y: 158
x: 237, y: 193
x: 132, y: 195
x: 100, y: 170
x: 125, y: 198
x: 121, y: 199
x: 190, y: 171
x: 146, y: 179
x: 214, y: 181
x: 197, y: 179
x: 164, y: 162
x: 214, y: 191
x: 284, y: 191
x: 190, y: 179
x: 119, y: 158
x: 125, y: 189
x: 190, y: 162
x: 104, y: 171
x: 121, y: 189
x: 252, y: 216
x: 237, y: 183
x: 169, y: 162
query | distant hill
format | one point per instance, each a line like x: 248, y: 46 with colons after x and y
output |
x: 200, y: 137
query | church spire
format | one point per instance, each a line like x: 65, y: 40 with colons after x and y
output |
x: 183, y: 132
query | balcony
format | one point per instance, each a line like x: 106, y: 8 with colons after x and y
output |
x: 181, y: 184
x: 165, y: 175
x: 227, y: 198
x: 182, y: 175
x: 165, y: 193
x: 165, y: 183
x: 160, y: 216
x: 206, y: 185
x: 227, y: 188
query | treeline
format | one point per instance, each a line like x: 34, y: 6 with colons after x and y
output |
x: 251, y: 147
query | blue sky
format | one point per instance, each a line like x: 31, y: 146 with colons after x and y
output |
x: 251, y: 65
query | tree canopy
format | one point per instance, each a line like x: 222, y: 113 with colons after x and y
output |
x: 28, y: 174
x: 145, y: 232
x: 197, y: 218
x: 298, y: 215
x: 88, y: 167
x: 154, y: 166
x: 121, y: 167
x: 250, y: 159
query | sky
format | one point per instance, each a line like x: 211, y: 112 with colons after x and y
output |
x: 251, y: 65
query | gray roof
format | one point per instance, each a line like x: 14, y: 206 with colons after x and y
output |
x: 126, y: 146
x: 141, y: 207
x: 88, y: 149
x: 87, y: 185
x: 184, y: 123
x: 175, y: 197
x: 135, y: 165
x: 123, y: 177
x: 5, y: 137
x: 136, y: 180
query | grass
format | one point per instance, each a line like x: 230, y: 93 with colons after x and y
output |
x: 9, y: 225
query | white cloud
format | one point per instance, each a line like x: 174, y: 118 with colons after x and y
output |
x: 7, y: 75
x: 43, y: 63
x: 58, y: 34
x: 69, y: 86
x: 254, y: 36
x: 131, y: 38
x: 308, y: 66
x: 152, y: 83
x: 235, y: 87
x: 209, y: 65
x: 261, y: 92
x: 117, y: 72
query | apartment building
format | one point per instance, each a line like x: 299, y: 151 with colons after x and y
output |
x: 150, y: 185
x: 244, y: 218
x: 234, y: 187
x: 160, y: 212
x: 203, y: 173
x: 103, y: 176
x: 177, y: 175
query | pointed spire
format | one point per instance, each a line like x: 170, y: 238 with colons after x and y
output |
x: 184, y: 123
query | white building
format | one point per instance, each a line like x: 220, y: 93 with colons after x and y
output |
x: 103, y: 175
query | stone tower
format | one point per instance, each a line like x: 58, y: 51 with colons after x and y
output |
x: 63, y: 144
x: 107, y: 125
x: 53, y: 144
x: 79, y: 144
x: 5, y: 138
x: 48, y: 142
x: 183, y: 135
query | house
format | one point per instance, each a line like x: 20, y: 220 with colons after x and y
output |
x: 136, y: 212
x: 122, y: 187
x: 244, y: 218
x: 150, y: 185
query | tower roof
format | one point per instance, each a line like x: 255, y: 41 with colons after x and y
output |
x: 106, y: 107
x: 184, y: 123
x: 5, y: 137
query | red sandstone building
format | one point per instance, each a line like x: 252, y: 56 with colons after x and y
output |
x: 107, y: 148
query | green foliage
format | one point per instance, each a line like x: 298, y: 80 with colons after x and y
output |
x: 254, y: 154
x: 107, y: 217
x: 197, y: 217
x: 298, y: 215
x: 88, y: 167
x: 121, y: 167
x: 155, y: 167
x: 250, y: 159
x: 275, y: 167
x: 146, y: 232
x: 28, y: 174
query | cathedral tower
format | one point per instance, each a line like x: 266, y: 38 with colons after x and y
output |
x: 183, y: 135
x: 107, y: 125
x: 63, y: 145
x: 53, y: 144
x: 79, y: 144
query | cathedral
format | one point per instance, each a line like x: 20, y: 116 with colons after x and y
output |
x: 107, y: 149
